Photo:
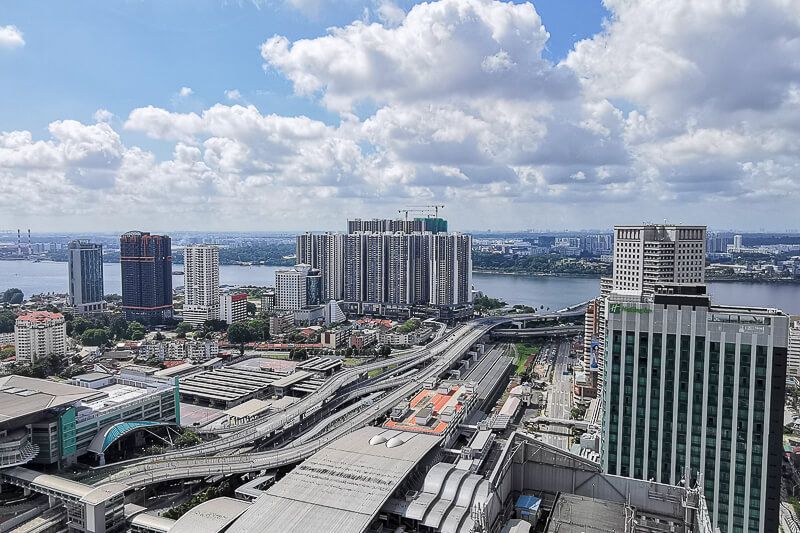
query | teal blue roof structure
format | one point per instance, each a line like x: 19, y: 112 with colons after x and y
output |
x: 107, y: 435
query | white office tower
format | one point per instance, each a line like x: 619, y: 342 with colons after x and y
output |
x: 737, y: 243
x: 39, y: 334
x: 451, y: 269
x: 85, y: 266
x: 201, y: 283
x: 657, y: 253
x: 793, y: 352
x: 291, y: 287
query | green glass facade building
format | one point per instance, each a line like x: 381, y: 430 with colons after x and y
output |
x: 694, y: 392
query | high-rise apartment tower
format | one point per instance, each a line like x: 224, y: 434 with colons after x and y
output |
x: 146, y: 262
x: 85, y: 267
x: 201, y: 283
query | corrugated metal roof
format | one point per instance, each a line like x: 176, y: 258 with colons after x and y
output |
x: 211, y: 516
x: 340, y: 488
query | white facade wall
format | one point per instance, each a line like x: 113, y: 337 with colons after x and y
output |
x: 290, y: 288
x: 233, y: 307
x: 201, y: 283
x: 38, y: 335
x: 793, y: 351
x: 648, y: 254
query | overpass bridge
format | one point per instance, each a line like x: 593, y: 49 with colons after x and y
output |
x: 558, y: 331
x: 179, y: 466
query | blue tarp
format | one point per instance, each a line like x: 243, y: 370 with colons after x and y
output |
x: 530, y: 504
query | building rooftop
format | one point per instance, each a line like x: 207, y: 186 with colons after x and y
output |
x: 22, y: 396
x: 211, y: 516
x: 578, y: 514
x: 427, y: 407
x: 40, y: 316
x: 340, y: 488
x: 176, y: 370
x: 255, y: 407
x: 92, y: 376
x: 113, y: 395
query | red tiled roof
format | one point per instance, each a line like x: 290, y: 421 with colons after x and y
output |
x: 40, y: 316
x: 171, y: 364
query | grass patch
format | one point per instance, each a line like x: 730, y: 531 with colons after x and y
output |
x: 524, y: 352
x: 373, y: 373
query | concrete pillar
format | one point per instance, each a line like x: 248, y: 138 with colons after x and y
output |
x: 102, y: 459
x: 52, y: 501
x: 26, y: 492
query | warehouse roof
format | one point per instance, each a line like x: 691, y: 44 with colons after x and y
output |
x: 340, y: 488
x: 21, y: 396
x: 291, y: 379
x: 211, y: 516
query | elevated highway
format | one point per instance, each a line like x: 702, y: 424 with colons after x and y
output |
x: 182, y: 465
x: 556, y: 331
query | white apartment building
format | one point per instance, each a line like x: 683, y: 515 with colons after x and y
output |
x: 793, y: 350
x: 643, y: 256
x: 657, y: 253
x: 233, y: 307
x: 290, y: 287
x: 38, y: 335
x: 201, y: 283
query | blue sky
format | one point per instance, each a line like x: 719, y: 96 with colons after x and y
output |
x: 555, y: 113
x: 119, y: 55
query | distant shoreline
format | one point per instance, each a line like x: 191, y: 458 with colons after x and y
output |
x: 595, y: 276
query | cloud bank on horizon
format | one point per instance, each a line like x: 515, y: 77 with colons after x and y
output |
x: 687, y: 110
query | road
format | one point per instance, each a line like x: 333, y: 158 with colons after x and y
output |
x: 559, y: 398
x: 444, y: 355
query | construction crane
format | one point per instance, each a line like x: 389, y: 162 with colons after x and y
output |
x: 407, y: 211
x: 427, y: 207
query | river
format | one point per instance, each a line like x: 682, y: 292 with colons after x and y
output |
x: 549, y: 291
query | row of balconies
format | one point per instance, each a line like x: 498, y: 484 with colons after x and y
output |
x: 17, y: 449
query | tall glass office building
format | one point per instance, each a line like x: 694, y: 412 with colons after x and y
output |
x: 694, y: 393
x: 146, y: 262
x: 85, y: 264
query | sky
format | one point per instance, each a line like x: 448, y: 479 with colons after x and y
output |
x: 225, y: 115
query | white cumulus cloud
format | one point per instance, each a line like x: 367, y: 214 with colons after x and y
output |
x: 11, y: 37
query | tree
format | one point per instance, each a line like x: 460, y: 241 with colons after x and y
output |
x: 118, y: 327
x: 188, y: 438
x: 113, y: 298
x: 80, y: 325
x: 183, y: 328
x: 95, y: 337
x: 7, y: 320
x: 210, y: 326
x: 385, y: 350
x: 239, y: 333
x: 13, y: 296
x: 136, y: 331
x: 251, y: 309
x: 159, y: 336
x: 298, y: 354
x: 259, y: 330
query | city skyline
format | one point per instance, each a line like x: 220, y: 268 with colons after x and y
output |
x: 514, y: 116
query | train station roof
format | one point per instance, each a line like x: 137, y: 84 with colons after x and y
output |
x: 22, y: 396
x: 340, y: 488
